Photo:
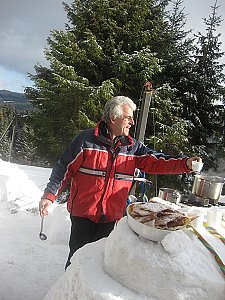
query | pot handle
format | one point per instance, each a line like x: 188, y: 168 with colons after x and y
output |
x: 176, y: 194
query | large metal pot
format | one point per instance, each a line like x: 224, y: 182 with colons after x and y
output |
x: 171, y: 195
x: 208, y: 187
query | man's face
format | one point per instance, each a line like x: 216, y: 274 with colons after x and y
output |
x: 121, y: 126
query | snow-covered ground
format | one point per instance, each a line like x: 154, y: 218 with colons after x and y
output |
x: 32, y: 269
x: 28, y: 265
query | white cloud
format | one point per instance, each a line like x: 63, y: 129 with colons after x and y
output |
x: 24, y: 28
x: 13, y: 81
x: 26, y: 24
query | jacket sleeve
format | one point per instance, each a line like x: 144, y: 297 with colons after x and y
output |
x: 153, y: 162
x: 67, y: 165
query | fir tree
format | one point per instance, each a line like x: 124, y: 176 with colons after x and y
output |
x: 176, y: 50
x: 7, y: 117
x: 170, y: 130
x: 108, y: 48
x: 203, y: 101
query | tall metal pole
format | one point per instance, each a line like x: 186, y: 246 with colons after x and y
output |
x: 143, y: 115
x: 142, y: 120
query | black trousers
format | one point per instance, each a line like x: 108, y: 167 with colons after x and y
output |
x: 85, y: 231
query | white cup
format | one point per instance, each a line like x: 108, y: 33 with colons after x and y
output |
x: 197, y: 166
x: 214, y: 216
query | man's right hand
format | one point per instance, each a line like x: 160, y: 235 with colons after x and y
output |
x: 44, y: 205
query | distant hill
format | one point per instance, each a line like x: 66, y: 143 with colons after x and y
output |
x: 17, y: 100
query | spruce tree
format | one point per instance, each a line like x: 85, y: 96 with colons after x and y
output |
x: 175, y: 52
x: 108, y: 48
x: 7, y: 117
x: 169, y: 129
x: 24, y: 150
x: 203, y: 101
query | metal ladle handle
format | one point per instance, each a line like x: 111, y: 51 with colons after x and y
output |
x: 42, y: 236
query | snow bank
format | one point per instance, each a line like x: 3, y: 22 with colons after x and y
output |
x: 17, y: 190
x: 127, y: 267
x: 175, y: 267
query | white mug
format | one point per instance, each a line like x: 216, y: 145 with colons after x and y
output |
x: 197, y: 166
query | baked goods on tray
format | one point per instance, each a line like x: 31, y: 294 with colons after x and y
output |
x: 159, y: 213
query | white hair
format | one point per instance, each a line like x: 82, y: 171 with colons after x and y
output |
x: 113, y: 108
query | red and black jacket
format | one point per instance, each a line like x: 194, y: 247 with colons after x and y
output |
x: 100, y: 173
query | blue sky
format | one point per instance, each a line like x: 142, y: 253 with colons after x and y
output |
x: 26, y: 24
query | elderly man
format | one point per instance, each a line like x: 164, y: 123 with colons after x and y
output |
x: 99, y: 163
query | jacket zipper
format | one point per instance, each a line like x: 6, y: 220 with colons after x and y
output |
x: 102, y: 218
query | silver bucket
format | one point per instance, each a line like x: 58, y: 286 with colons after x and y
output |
x: 208, y: 187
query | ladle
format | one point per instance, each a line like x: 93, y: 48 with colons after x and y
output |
x: 42, y: 236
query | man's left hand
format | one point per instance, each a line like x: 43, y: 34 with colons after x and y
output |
x: 191, y: 159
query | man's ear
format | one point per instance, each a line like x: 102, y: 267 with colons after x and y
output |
x: 112, y: 120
